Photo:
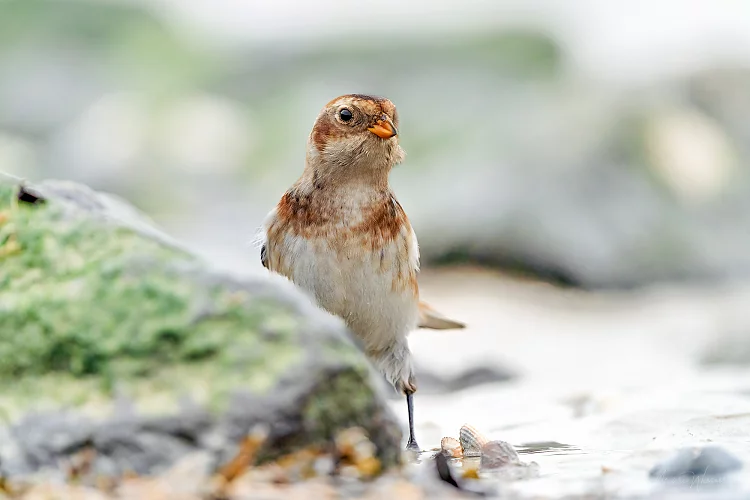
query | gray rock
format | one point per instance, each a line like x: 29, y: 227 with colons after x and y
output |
x: 696, y: 461
x: 115, y: 338
x: 729, y: 348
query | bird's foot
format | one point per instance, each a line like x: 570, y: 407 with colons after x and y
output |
x: 411, y: 445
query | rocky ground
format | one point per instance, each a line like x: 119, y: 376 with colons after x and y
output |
x: 119, y: 344
x: 639, y: 394
x: 611, y: 391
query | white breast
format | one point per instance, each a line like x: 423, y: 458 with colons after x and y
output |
x: 355, y: 282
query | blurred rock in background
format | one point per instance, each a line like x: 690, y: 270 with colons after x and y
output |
x: 539, y: 139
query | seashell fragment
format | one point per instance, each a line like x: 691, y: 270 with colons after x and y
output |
x: 497, y: 454
x: 451, y: 447
x: 500, y: 458
x: 471, y: 441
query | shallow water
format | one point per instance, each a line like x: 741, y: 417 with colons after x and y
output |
x: 608, y: 383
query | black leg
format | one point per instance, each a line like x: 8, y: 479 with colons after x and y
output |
x: 412, y: 443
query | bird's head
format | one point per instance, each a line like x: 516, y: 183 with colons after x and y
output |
x: 355, y: 136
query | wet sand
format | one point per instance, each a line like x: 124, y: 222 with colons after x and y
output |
x: 607, y: 384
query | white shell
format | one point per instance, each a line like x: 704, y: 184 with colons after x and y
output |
x: 471, y: 441
x: 497, y: 454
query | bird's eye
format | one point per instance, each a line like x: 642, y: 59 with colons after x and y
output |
x: 345, y: 115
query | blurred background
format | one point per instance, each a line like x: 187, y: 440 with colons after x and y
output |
x: 595, y: 145
x: 598, y: 148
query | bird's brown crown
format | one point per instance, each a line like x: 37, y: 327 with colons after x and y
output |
x: 355, y: 136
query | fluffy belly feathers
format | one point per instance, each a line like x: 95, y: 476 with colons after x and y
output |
x: 362, y: 270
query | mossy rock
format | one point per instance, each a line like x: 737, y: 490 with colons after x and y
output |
x: 113, y: 335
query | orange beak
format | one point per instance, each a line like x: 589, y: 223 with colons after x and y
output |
x: 384, y: 129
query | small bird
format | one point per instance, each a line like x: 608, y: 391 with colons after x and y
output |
x: 340, y: 235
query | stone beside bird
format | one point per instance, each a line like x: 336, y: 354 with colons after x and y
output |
x: 340, y: 235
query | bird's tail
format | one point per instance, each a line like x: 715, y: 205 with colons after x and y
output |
x: 430, y: 318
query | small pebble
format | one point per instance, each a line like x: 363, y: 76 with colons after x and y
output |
x: 444, y: 470
x: 465, y: 481
x: 695, y: 461
x: 356, y: 450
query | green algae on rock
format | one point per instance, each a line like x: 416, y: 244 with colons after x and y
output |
x: 97, y: 308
